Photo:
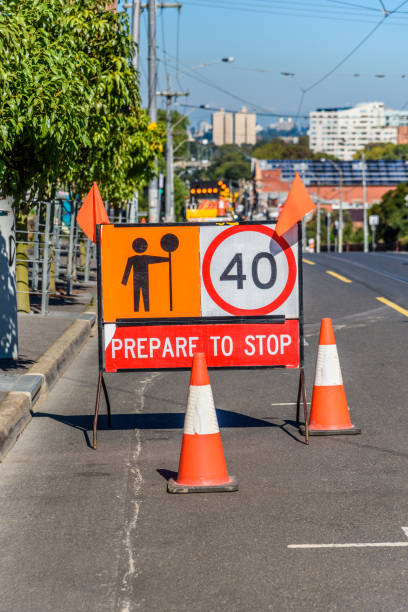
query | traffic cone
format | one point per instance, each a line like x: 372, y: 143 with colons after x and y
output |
x: 221, y: 211
x: 202, y: 467
x: 329, y: 413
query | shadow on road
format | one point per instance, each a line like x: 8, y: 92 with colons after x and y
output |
x: 162, y: 420
x: 14, y: 364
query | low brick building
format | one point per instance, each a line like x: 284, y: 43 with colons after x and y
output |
x: 273, y: 178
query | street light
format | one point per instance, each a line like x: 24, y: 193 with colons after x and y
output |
x: 362, y: 166
x: 226, y: 60
x: 338, y: 169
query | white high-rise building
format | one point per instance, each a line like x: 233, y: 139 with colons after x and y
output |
x: 344, y: 131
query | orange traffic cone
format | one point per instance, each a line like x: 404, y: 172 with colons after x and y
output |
x: 329, y: 413
x: 221, y: 209
x: 202, y: 467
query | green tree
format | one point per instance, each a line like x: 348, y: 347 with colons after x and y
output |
x: 179, y: 124
x: 180, y: 193
x: 393, y: 214
x: 70, y: 109
x: 278, y: 149
x: 348, y: 230
x: 384, y: 151
x: 230, y: 163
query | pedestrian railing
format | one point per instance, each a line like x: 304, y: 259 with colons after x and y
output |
x: 52, y: 252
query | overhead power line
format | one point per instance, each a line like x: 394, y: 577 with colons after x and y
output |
x: 229, y: 110
x: 354, y: 5
x: 344, y: 59
x: 302, y: 11
x: 188, y: 73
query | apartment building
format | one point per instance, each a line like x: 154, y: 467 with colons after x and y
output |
x: 244, y: 127
x: 344, y: 131
x: 234, y: 128
x: 223, y: 128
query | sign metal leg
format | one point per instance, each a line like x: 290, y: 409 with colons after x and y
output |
x: 95, y: 423
x: 298, y: 400
x: 105, y: 391
x: 101, y: 383
x: 302, y: 392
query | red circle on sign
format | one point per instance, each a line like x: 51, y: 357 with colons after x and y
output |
x: 290, y: 283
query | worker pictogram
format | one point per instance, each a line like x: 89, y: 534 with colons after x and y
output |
x: 139, y: 265
x: 150, y: 272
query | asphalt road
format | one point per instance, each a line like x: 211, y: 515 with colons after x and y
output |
x: 85, y: 530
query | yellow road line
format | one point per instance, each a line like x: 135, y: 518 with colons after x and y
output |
x: 392, y: 305
x: 339, y: 276
x: 312, y: 263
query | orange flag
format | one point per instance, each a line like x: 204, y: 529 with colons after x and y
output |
x: 91, y: 213
x: 297, y: 205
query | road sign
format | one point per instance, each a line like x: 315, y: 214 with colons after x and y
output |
x: 224, y: 344
x: 168, y: 291
x: 198, y: 271
x: 150, y: 272
x: 248, y: 270
x: 373, y: 220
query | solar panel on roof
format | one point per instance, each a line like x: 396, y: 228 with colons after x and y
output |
x: 315, y: 172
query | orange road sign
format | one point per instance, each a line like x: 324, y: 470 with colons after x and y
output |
x: 150, y: 272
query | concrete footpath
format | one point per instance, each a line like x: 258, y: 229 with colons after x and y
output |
x: 47, y: 345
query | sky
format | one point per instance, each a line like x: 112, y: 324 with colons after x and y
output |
x: 308, y: 39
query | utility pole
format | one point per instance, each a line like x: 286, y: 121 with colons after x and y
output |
x: 133, y: 216
x: 170, y: 213
x: 365, y: 226
x: 318, y: 228
x: 135, y: 33
x: 328, y: 230
x: 340, y: 227
x: 340, y: 248
x: 153, y: 195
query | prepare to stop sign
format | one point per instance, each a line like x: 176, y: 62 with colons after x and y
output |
x: 181, y: 271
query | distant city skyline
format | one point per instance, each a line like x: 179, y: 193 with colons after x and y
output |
x: 283, y: 52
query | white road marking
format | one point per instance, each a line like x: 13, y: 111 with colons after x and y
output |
x: 356, y: 544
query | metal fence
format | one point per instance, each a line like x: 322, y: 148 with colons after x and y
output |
x: 54, y: 249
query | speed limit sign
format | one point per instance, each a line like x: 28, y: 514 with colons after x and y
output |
x: 248, y: 270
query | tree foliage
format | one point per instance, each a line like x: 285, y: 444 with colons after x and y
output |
x: 278, y: 149
x: 384, y: 151
x: 179, y: 124
x: 393, y: 214
x: 231, y: 164
x: 70, y: 108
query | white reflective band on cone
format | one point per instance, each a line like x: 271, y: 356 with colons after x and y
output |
x: 328, y: 371
x: 201, y: 417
